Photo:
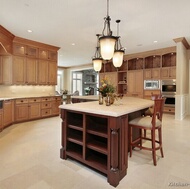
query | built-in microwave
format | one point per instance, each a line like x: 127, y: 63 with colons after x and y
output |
x: 152, y: 84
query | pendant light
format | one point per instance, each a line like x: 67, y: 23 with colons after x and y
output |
x: 107, y: 41
x: 97, y: 59
x: 119, y: 51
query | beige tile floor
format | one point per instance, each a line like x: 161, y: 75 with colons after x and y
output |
x: 29, y: 159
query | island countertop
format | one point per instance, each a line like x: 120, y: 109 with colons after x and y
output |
x: 128, y: 105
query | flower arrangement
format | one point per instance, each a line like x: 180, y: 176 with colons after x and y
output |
x: 106, y: 87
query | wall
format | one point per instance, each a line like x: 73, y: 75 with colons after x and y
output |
x: 182, y: 82
x: 25, y: 91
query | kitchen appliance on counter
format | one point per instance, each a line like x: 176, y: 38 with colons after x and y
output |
x: 168, y: 90
x: 151, y: 84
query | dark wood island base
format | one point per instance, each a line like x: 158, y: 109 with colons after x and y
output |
x: 99, y: 140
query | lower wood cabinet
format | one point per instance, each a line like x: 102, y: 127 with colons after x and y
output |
x: 8, y: 112
x: 35, y: 108
x: 169, y: 109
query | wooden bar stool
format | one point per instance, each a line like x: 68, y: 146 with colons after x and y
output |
x: 152, y: 124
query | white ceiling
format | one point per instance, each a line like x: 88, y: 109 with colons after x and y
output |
x: 63, y: 22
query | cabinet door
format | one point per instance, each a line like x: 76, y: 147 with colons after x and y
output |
x: 34, y: 110
x: 156, y: 73
x: 168, y: 73
x: 43, y: 54
x: 19, y: 69
x: 139, y: 82
x: 21, y: 112
x: 55, y: 107
x: 32, y: 52
x: 147, y: 74
x: 173, y: 72
x: 52, y: 55
x: 31, y: 71
x: 6, y: 63
x: 8, y: 109
x: 42, y: 72
x: 135, y: 83
x: 131, y: 82
x: 52, y: 73
x: 19, y: 49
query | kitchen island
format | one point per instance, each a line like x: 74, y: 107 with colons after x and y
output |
x: 97, y: 135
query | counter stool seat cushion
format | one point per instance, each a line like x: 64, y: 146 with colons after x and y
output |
x: 145, y: 122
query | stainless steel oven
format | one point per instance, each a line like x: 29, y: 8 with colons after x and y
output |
x: 170, y: 100
x: 168, y: 87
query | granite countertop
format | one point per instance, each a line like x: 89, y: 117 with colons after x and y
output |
x: 17, y: 97
x: 127, y: 105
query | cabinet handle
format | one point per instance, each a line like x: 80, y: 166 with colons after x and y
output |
x: 34, y: 100
x: 21, y: 101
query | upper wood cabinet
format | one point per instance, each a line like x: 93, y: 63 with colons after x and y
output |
x: 49, y: 74
x: 47, y: 54
x: 24, y: 70
x: 169, y: 59
x: 168, y: 70
x: 135, y: 83
x: 135, y: 64
x: 25, y: 50
x: 5, y: 70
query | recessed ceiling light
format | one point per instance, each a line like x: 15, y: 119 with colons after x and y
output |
x: 73, y: 44
x: 29, y: 31
x: 155, y: 41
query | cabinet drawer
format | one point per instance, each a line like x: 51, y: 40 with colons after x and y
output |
x: 46, y: 105
x: 169, y: 109
x: 21, y: 101
x: 45, y: 112
x: 56, y: 98
x: 45, y: 99
x: 30, y: 100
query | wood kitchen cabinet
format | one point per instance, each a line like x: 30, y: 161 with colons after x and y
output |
x: 168, y: 73
x: 25, y: 50
x: 168, y: 70
x: 47, y: 54
x: 49, y: 74
x: 5, y: 69
x: 152, y: 67
x: 24, y: 70
x: 55, y: 103
x: 27, y: 109
x: 8, y: 112
x: 46, y: 107
x: 135, y: 83
x: 153, y: 73
x: 21, y: 110
x: 33, y: 64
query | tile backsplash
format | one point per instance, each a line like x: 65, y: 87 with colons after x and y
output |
x: 26, y: 91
